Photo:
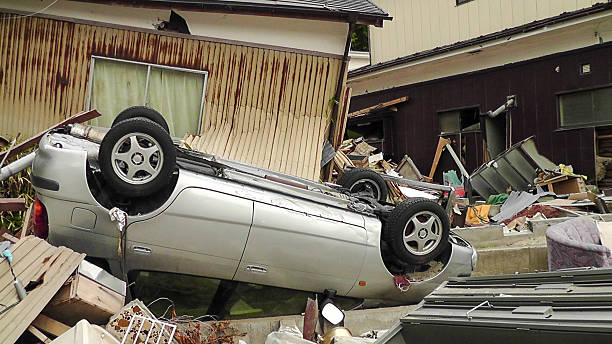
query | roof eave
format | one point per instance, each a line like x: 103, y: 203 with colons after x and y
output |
x: 261, y: 10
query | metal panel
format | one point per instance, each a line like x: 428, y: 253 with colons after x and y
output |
x: 266, y: 107
x: 521, y: 159
x: 551, y: 307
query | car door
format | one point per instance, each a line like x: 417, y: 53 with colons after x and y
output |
x: 203, y: 232
x: 300, y: 248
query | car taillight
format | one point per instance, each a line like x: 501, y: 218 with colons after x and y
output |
x: 41, y: 220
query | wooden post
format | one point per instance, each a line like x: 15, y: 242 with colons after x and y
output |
x: 442, y: 142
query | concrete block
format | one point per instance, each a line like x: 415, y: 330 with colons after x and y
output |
x: 509, y: 260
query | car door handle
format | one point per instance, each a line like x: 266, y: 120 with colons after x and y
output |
x: 141, y: 249
x: 256, y: 269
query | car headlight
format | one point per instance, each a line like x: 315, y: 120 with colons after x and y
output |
x: 474, y: 259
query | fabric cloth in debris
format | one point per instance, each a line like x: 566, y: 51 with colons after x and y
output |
x: 518, y: 201
x: 497, y: 199
x: 477, y: 215
x: 576, y: 243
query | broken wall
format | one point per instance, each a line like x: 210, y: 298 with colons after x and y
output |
x: 264, y: 105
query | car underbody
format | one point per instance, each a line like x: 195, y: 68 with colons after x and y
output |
x: 260, y: 220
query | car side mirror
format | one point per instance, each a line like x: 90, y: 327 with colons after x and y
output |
x: 332, y: 313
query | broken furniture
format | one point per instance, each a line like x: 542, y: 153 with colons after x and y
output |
x: 564, y: 184
x: 576, y: 243
x: 546, y: 307
x: 516, y: 169
x: 407, y: 169
x: 91, y: 294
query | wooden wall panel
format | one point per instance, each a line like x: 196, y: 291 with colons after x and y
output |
x: 266, y: 107
x: 420, y: 25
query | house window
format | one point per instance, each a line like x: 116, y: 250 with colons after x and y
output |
x: 459, y: 2
x: 585, y: 108
x: 461, y: 120
x: 177, y: 93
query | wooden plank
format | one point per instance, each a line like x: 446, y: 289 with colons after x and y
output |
x: 10, y: 237
x: 52, y: 268
x: 32, y: 141
x: 26, y: 222
x: 442, y: 142
x: 50, y: 326
x: 41, y: 336
x: 12, y: 204
x: 379, y: 106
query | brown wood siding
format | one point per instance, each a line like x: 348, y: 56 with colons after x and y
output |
x: 535, y: 82
x: 263, y: 106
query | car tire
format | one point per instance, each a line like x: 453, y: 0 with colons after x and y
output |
x: 143, y: 112
x: 417, y: 230
x: 360, y: 179
x: 140, y: 170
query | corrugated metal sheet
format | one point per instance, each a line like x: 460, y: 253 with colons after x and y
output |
x: 422, y: 25
x: 263, y: 106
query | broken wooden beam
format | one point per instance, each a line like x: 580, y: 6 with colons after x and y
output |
x: 32, y: 141
x: 12, y: 204
x: 50, y: 326
x: 379, y: 106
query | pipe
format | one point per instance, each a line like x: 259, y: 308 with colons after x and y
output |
x: 508, y: 104
x: 345, y: 60
x: 17, y: 166
x: 93, y: 134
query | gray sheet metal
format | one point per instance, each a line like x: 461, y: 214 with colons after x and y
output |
x: 572, y: 306
x: 516, y: 202
x: 515, y: 168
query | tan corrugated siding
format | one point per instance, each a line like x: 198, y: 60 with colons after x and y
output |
x: 420, y: 25
x: 263, y: 106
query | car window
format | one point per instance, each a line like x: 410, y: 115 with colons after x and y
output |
x: 252, y: 300
x: 196, y: 296
x: 191, y: 295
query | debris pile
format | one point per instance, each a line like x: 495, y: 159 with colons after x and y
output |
x: 358, y: 153
x: 52, y: 292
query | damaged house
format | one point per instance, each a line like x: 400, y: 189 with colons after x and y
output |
x: 254, y: 81
x: 457, y: 60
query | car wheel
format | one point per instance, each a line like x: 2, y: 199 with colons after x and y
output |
x: 137, y: 157
x: 143, y: 112
x: 363, y: 180
x: 417, y: 230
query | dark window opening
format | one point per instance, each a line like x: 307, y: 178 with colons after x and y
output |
x: 196, y: 296
x: 459, y: 2
x: 359, y: 38
x: 585, y: 108
x: 370, y: 131
x: 176, y: 23
x: 457, y: 121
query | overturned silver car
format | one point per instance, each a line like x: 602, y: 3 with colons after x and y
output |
x: 221, y: 233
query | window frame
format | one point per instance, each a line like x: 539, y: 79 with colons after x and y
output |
x: 558, y: 95
x: 146, y: 92
x: 459, y: 109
